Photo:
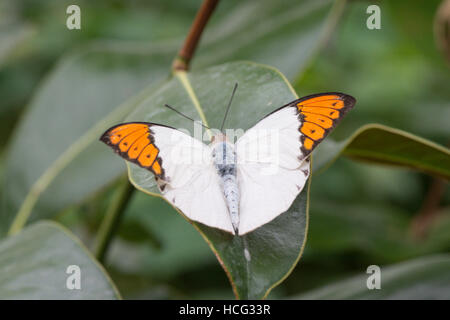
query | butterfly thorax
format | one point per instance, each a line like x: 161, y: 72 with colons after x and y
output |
x: 224, y: 157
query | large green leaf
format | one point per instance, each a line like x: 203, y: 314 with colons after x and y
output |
x: 422, y: 278
x: 34, y: 264
x: 285, y: 34
x: 11, y: 38
x: 384, y: 145
x: 275, y: 248
x: 54, y: 159
x: 162, y: 221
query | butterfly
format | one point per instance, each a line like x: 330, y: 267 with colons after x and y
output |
x: 235, y: 187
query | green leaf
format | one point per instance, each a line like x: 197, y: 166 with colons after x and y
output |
x: 360, y: 227
x: 384, y: 145
x: 284, y: 34
x: 274, y: 248
x: 11, y: 38
x: 33, y: 265
x: 55, y: 159
x: 422, y: 278
x: 84, y: 95
x: 159, y: 260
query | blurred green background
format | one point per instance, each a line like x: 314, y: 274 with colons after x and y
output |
x: 360, y: 214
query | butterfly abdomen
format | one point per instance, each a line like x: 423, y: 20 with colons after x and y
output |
x: 225, y: 163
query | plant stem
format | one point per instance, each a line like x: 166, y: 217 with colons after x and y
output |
x: 427, y: 214
x: 430, y: 206
x: 186, y: 52
x: 112, y: 219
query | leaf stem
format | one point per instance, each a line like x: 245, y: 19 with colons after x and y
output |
x: 424, y: 219
x: 186, y: 52
x: 183, y: 77
x: 112, y: 219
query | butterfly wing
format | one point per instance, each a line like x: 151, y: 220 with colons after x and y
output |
x: 273, y: 163
x: 182, y: 166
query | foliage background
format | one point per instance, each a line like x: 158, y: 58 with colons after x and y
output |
x: 360, y: 214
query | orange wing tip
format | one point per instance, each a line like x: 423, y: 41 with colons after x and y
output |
x: 138, y: 146
x: 148, y: 156
x: 318, y: 119
x: 319, y: 114
x: 313, y: 131
x: 134, y: 142
x: 116, y: 133
x: 157, y: 168
x: 320, y: 98
x: 308, y: 144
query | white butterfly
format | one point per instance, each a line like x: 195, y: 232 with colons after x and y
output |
x: 234, y: 187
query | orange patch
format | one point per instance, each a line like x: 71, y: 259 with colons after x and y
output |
x: 138, y: 146
x: 126, y: 142
x: 312, y: 130
x: 320, y: 100
x: 328, y: 112
x: 339, y: 104
x: 308, y: 144
x: 120, y: 132
x: 320, y: 120
x: 129, y: 127
x: 148, y: 155
x: 334, y: 104
x: 156, y: 168
x: 114, y: 139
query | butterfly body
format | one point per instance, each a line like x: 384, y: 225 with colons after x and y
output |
x: 234, y: 187
x: 225, y: 162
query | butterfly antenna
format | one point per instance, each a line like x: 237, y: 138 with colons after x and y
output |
x: 228, y: 107
x: 183, y: 115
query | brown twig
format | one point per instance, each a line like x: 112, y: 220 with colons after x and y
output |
x: 428, y: 212
x: 442, y: 28
x: 186, y: 52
